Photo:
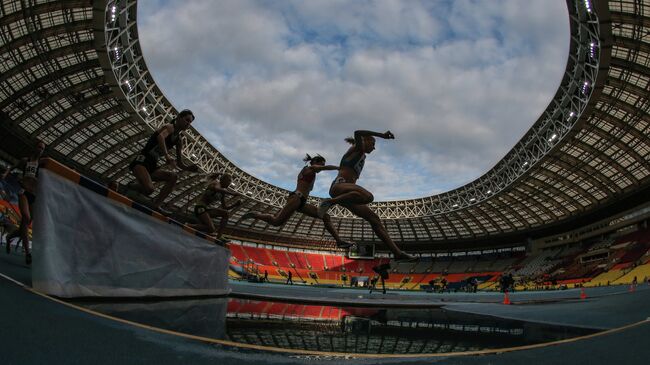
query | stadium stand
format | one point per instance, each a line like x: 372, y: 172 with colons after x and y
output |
x: 330, y: 268
x: 641, y: 272
x: 535, y: 265
x: 606, y: 261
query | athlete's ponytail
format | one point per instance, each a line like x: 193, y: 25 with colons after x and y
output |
x: 313, y: 160
x: 351, y: 140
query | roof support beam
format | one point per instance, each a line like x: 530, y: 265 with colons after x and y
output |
x: 128, y: 142
x: 52, y: 54
x: 44, y: 8
x: 49, y: 78
x: 112, y: 129
x: 74, y: 109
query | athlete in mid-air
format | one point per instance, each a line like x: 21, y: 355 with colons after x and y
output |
x: 345, y: 191
x: 297, y: 200
x: 26, y: 197
x: 145, y: 166
x: 216, y: 191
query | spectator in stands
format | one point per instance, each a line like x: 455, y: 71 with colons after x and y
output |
x: 511, y: 283
x: 473, y: 284
x: 216, y: 190
x: 382, y: 271
x: 432, y: 286
x: 383, y: 277
x: 345, y: 192
x: 503, y: 283
x: 4, y: 222
x: 297, y: 200
x: 289, y: 278
x: 266, y: 276
x: 145, y: 165
x: 373, y: 282
x: 344, y: 278
x: 26, y: 198
x: 443, y: 285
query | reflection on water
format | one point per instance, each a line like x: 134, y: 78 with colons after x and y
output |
x: 337, y: 329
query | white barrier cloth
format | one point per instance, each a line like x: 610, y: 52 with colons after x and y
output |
x: 86, y: 245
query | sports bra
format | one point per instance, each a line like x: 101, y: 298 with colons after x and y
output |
x: 354, y: 159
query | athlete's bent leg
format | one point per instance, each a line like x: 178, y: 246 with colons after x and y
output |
x: 25, y: 220
x: 346, y: 193
x: 144, y: 183
x: 205, y: 224
x: 224, y: 215
x: 363, y: 211
x: 293, y: 202
x: 170, y: 179
x: 312, y: 211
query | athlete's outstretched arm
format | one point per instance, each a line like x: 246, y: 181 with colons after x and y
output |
x: 318, y: 169
x: 358, y: 135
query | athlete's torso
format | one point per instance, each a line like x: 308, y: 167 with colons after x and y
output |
x: 211, y: 195
x: 306, y: 179
x: 30, y: 174
x: 352, y: 164
x: 152, y: 148
x: 31, y: 169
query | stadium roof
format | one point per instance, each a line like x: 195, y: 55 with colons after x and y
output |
x: 73, y: 75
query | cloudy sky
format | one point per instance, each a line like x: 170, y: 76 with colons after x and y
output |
x: 458, y: 82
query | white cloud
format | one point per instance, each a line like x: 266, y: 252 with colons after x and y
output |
x: 457, y: 82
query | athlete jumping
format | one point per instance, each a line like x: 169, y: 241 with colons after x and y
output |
x: 145, y: 166
x: 216, y: 190
x: 345, y: 192
x: 297, y: 200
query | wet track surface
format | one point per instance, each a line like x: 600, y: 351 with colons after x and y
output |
x: 337, y: 329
